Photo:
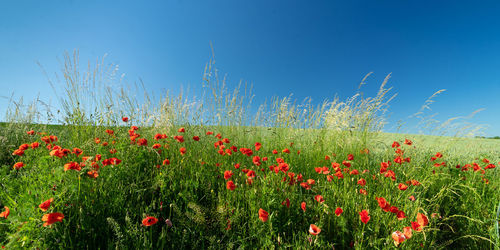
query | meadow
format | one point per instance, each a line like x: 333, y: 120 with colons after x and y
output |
x: 120, y: 172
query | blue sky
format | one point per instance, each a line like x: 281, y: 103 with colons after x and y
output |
x: 308, y: 48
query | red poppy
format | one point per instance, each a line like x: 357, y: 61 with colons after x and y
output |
x: 125, y: 119
x: 398, y: 237
x: 179, y: 138
x: 230, y: 185
x: 228, y: 174
x: 401, y: 215
x: 72, y: 165
x: 196, y: 138
x: 142, y: 142
x: 166, y: 162
x: 286, y: 150
x: 46, y: 204
x: 362, y: 182
x: 5, y: 213
x: 402, y: 186
x: 182, y: 150
x: 408, y: 142
x: 275, y: 151
x: 18, y: 152
x: 31, y: 132
x: 52, y: 218
x: 415, y: 183
x: 93, y: 174
x: 407, y: 232
x: 381, y: 202
x: 181, y: 130
x: 412, y: 198
x: 34, y: 145
x: 319, y: 198
x: 395, y: 144
x: 363, y: 215
x: 393, y: 209
x: 286, y: 203
x: 338, y: 211
x: 314, y: 230
x: 18, y: 165
x: 303, y: 206
x: 350, y: 157
x: 263, y: 215
x: 422, y: 219
x: 258, y: 145
x: 149, y: 221
x: 416, y: 226
x: 209, y: 133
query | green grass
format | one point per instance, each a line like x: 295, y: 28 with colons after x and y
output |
x: 107, y: 211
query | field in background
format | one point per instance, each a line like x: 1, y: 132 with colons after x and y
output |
x: 216, y: 173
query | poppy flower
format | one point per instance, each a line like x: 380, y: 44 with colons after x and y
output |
x: 408, y: 142
x: 286, y: 150
x: 381, y: 202
x: 422, y: 219
x: 181, y: 130
x: 305, y: 185
x: 34, y: 145
x: 5, y: 213
x: 228, y: 174
x: 275, y: 151
x: 31, y: 132
x: 412, y: 198
x: 45, y: 205
x: 362, y: 182
x: 125, y: 119
x: 346, y: 163
x: 258, y: 145
x: 416, y: 226
x: 286, y: 203
x: 263, y: 215
x: 72, y: 166
x: 149, y: 221
x: 18, y: 165
x: 18, y: 152
x: 393, y: 209
x: 209, y: 133
x: 142, y: 142
x: 303, y: 206
x: 407, y: 232
x: 338, y: 211
x: 350, y: 157
x: 93, y: 174
x: 363, y: 215
x: 196, y: 138
x: 319, y: 198
x: 182, y: 150
x: 401, y: 215
x: 395, y: 144
x: 402, y: 186
x: 52, y: 218
x: 398, y: 237
x: 230, y: 185
x: 314, y: 230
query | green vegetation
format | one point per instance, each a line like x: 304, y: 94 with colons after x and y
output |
x: 336, y: 151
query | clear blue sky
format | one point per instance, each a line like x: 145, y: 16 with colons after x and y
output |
x: 308, y: 48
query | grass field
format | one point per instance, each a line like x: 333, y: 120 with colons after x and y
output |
x: 285, y: 178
